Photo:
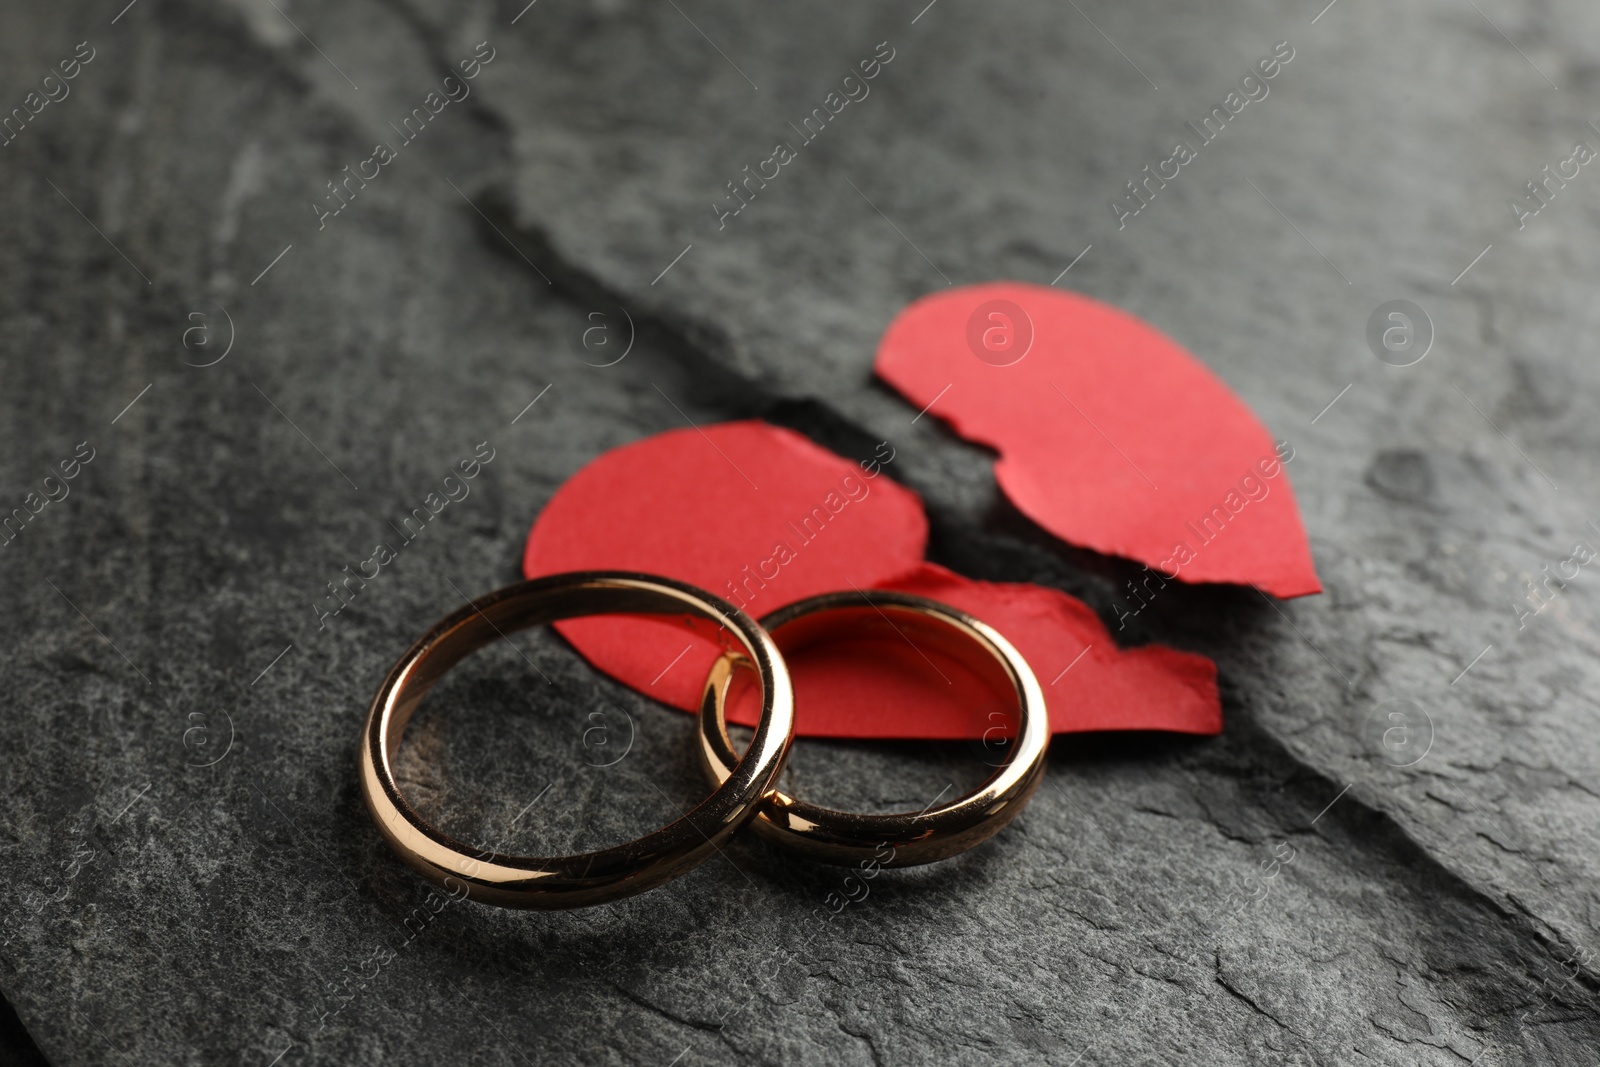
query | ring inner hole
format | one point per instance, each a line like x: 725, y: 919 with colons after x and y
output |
x: 500, y: 758
x: 928, y: 661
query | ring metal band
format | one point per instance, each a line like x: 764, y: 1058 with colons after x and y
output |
x: 914, y: 837
x: 593, y: 877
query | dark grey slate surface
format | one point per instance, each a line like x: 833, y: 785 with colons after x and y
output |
x: 159, y: 911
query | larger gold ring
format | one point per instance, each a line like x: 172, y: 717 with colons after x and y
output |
x: 911, y: 838
x: 593, y: 877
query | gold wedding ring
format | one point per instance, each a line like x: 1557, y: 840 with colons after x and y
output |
x: 610, y: 873
x: 913, y: 837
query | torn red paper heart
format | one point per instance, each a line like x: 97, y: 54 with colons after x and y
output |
x: 1111, y: 436
x: 764, y: 517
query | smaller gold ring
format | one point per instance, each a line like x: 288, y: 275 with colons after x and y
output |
x: 609, y: 873
x: 909, y: 838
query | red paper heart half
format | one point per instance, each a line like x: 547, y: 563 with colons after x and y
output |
x: 1111, y: 436
x: 764, y: 517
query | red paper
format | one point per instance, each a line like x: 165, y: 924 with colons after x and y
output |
x: 1111, y: 436
x: 1089, y: 683
x: 764, y: 517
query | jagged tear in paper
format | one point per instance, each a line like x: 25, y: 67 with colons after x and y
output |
x: 1111, y: 436
x: 765, y: 517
